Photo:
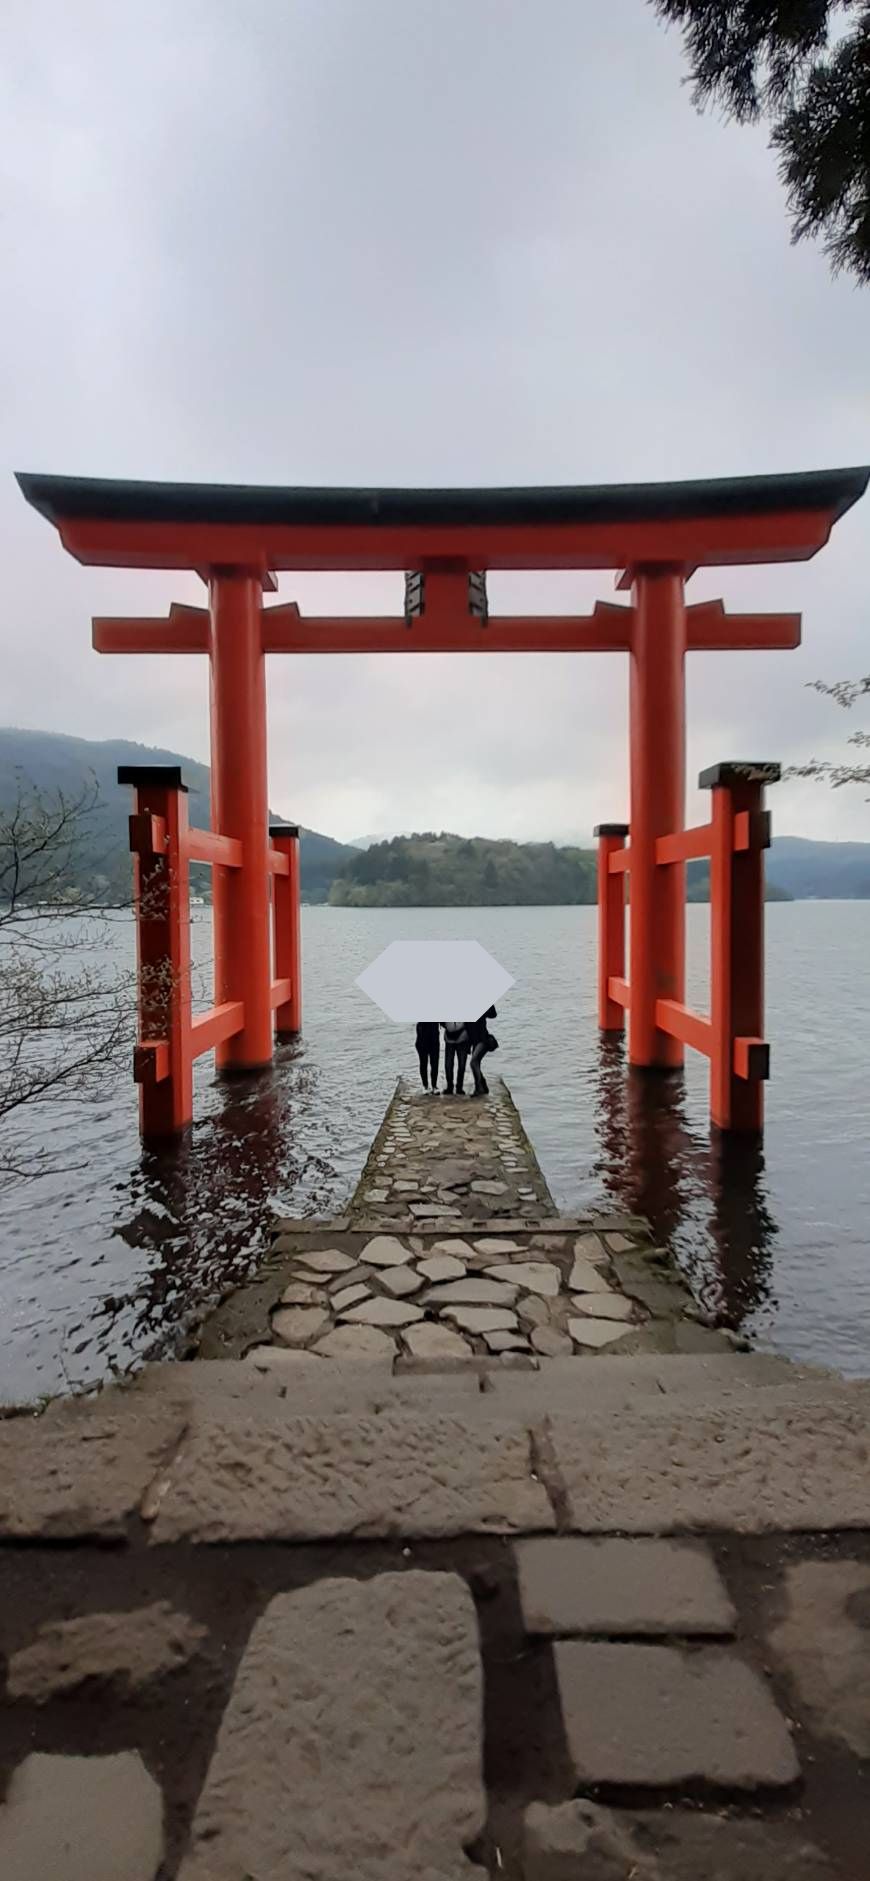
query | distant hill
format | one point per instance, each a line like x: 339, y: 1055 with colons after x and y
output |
x: 444, y: 871
x: 820, y: 871
x: 52, y: 761
x: 409, y: 871
x: 797, y: 870
x: 565, y: 839
x: 430, y: 870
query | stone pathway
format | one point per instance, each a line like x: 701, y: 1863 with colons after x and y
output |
x: 452, y: 1252
x: 446, y: 1159
x: 417, y: 1591
x: 435, y: 1300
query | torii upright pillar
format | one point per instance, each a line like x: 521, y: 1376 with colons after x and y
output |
x: 239, y: 807
x: 657, y: 729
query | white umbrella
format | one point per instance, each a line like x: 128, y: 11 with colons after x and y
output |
x: 433, y: 980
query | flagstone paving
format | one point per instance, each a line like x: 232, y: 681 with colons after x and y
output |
x: 464, y: 1552
x: 345, y: 1630
x: 441, y: 1158
x: 534, y: 1286
x: 490, y: 1263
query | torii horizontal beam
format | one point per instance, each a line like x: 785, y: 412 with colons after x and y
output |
x: 121, y: 524
x: 608, y: 629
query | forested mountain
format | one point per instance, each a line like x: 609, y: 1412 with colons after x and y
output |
x: 443, y: 871
x: 418, y: 871
x: 50, y: 762
x: 821, y: 871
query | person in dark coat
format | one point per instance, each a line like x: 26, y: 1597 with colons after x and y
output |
x: 429, y: 1053
x: 455, y: 1054
x: 481, y: 1041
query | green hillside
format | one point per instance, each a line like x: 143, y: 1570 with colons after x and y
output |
x: 52, y: 762
x: 418, y: 871
x: 429, y: 871
x: 443, y: 871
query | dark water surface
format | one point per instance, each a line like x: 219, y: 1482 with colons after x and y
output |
x: 104, y: 1261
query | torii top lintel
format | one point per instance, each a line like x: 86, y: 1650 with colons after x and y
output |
x: 115, y: 523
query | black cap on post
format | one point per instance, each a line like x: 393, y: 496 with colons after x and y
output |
x: 143, y: 774
x: 610, y: 829
x: 283, y: 829
x: 739, y: 771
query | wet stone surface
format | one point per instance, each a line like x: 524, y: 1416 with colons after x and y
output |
x: 387, y: 1674
x: 583, y: 1841
x: 823, y: 1641
x: 478, y: 1283
x: 464, y: 1154
x: 130, y: 1649
x: 81, y: 1819
x: 451, y: 1752
x: 621, y: 1586
x: 451, y: 1247
x: 343, y: 1626
x: 654, y: 1716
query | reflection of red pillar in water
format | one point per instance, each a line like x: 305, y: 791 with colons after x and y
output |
x: 658, y: 805
x: 239, y: 793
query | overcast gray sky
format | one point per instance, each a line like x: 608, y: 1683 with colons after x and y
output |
x: 411, y: 242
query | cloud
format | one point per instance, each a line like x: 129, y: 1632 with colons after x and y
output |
x: 426, y: 242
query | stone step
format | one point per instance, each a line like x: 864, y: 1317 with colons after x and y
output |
x: 303, y: 1382
x: 220, y: 1452
x: 642, y: 1447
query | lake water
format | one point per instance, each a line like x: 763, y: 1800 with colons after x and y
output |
x: 104, y: 1262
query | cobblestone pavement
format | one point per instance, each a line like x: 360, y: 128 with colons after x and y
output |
x: 439, y: 1299
x: 440, y: 1158
x: 452, y: 1253
x: 334, y: 1606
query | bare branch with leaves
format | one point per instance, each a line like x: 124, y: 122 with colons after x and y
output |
x: 64, y: 1025
x: 846, y: 693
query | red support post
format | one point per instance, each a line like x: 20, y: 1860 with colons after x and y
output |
x: 163, y: 1060
x: 239, y: 805
x: 740, y: 833
x: 611, y: 924
x: 658, y: 804
x: 287, y: 917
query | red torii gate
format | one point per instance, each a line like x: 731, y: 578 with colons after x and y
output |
x: 656, y: 535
